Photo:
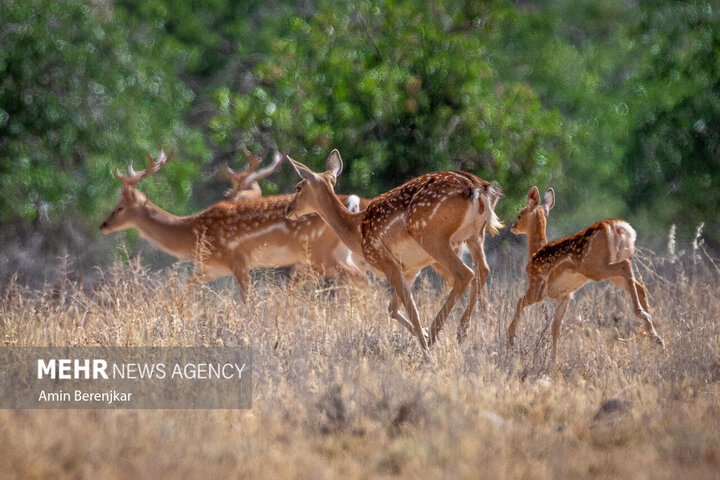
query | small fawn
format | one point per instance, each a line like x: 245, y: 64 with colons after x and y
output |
x: 602, y: 251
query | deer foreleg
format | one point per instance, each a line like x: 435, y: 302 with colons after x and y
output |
x: 478, y: 293
x: 533, y: 295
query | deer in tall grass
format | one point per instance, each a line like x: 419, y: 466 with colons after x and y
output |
x: 418, y: 224
x: 230, y: 238
x: 603, y: 251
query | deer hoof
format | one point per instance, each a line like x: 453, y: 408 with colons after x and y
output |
x: 658, y: 339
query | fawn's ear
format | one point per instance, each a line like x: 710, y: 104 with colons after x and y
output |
x: 548, y: 201
x: 304, y: 172
x: 334, y: 163
x: 533, y: 198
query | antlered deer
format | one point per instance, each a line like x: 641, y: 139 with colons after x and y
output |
x: 420, y: 223
x: 245, y: 182
x: 602, y: 251
x: 231, y: 238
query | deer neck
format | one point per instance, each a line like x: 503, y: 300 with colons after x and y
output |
x: 536, y: 237
x: 345, y: 223
x: 170, y: 233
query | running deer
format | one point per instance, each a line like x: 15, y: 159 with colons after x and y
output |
x: 420, y: 223
x: 245, y: 182
x: 602, y: 251
x: 230, y: 238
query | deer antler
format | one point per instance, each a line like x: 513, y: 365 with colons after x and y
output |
x: 269, y: 170
x: 246, y: 179
x: 254, y: 161
x: 153, y: 166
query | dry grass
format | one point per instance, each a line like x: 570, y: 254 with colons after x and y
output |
x: 341, y: 392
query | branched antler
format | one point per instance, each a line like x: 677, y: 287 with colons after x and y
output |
x: 153, y: 166
x: 245, y: 181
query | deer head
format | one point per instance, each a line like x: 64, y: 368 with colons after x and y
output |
x: 132, y: 201
x: 533, y: 215
x: 315, y: 189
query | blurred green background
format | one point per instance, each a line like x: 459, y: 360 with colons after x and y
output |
x: 616, y: 104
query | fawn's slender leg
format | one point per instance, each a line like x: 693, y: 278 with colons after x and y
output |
x: 626, y: 280
x: 561, y: 305
x: 532, y: 295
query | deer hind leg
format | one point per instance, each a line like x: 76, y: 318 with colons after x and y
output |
x: 533, y: 295
x: 478, y: 293
x: 403, y: 291
x: 561, y: 305
x: 626, y: 280
x: 461, y: 274
x: 446, y: 275
x: 642, y: 295
x: 395, y: 313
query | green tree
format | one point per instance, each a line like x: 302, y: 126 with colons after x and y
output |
x: 673, y: 155
x: 400, y: 88
x: 81, y: 93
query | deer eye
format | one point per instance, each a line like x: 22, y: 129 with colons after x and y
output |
x: 120, y: 209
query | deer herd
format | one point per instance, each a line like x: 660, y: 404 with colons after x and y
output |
x: 421, y: 223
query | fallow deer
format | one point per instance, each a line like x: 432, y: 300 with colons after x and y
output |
x: 420, y: 223
x: 245, y: 182
x: 231, y: 237
x: 602, y: 251
x: 245, y: 186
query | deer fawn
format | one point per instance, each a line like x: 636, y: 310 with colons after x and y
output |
x: 602, y: 251
x: 420, y: 223
x: 230, y: 238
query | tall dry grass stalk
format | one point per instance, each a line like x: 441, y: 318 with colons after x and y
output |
x: 340, y: 391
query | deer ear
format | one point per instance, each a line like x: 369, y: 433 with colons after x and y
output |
x: 334, y: 163
x: 548, y: 201
x: 533, y: 198
x: 304, y: 172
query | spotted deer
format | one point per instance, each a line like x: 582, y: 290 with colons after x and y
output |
x: 420, y: 223
x: 245, y: 186
x: 602, y: 251
x: 230, y: 238
x: 245, y: 182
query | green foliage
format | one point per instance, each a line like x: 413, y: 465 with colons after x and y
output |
x: 633, y: 83
x: 401, y: 88
x: 674, y: 149
x: 79, y: 95
x: 613, y: 103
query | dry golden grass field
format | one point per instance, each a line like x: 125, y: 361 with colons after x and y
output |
x: 341, y: 391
